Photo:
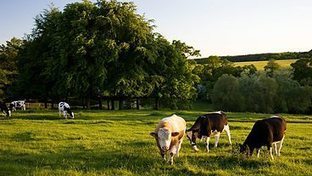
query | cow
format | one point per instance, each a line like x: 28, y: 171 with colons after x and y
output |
x: 4, y: 109
x: 19, y: 104
x: 206, y: 125
x: 64, y: 109
x: 169, y: 135
x: 265, y: 132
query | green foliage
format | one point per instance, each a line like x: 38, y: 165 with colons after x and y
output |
x: 303, y: 71
x: 212, y: 69
x: 271, y: 67
x: 8, y: 64
x: 226, y: 95
x: 258, y: 93
x: 104, y: 49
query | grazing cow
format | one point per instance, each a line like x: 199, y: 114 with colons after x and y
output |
x: 64, y: 108
x: 20, y: 104
x: 206, y: 125
x: 266, y: 132
x: 169, y: 136
x: 5, y: 109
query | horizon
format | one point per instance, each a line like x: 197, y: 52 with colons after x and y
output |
x: 221, y: 28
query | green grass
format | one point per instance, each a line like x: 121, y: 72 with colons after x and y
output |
x: 260, y: 64
x: 118, y: 143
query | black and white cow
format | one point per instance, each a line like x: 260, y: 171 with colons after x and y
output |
x: 64, y: 108
x: 4, y: 109
x: 206, y: 125
x: 19, y: 104
x: 266, y: 132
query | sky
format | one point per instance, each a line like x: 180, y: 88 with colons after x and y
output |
x: 215, y: 27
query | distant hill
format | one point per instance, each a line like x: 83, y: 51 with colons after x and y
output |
x: 263, y: 57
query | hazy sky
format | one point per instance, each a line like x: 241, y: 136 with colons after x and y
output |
x: 216, y: 27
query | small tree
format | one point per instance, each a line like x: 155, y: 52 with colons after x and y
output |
x: 271, y: 67
x: 302, y: 71
x: 226, y: 95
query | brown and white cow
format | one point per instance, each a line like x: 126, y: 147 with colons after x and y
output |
x: 206, y: 125
x: 265, y: 132
x: 169, y: 136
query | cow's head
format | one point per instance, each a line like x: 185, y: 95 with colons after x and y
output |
x: 191, y: 136
x: 163, y: 138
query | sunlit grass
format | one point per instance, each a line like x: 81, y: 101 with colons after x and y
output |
x: 118, y: 143
x: 261, y: 64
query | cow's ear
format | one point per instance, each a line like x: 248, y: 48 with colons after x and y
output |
x: 175, y: 134
x: 153, y: 134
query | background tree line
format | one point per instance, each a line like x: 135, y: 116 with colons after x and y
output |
x: 105, y: 50
x: 263, y: 57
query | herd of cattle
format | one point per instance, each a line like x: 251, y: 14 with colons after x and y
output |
x: 63, y: 108
x: 170, y: 131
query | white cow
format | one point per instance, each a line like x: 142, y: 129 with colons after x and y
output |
x: 169, y: 136
x: 64, y: 109
x: 19, y: 104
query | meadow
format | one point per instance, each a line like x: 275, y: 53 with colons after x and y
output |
x: 260, y: 64
x: 118, y: 143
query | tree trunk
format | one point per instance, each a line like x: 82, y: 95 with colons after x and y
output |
x: 120, y: 104
x: 108, y: 106
x: 157, y: 103
x: 83, y: 103
x: 45, y: 103
x: 113, y: 105
x: 100, y: 103
x: 88, y: 102
x: 138, y: 104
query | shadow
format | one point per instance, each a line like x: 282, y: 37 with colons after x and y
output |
x: 24, y: 137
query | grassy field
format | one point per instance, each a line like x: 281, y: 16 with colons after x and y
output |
x: 260, y: 64
x: 118, y: 143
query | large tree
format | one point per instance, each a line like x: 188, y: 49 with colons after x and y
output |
x: 104, y: 48
x: 8, y: 64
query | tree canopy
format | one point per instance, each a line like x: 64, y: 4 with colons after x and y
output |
x: 103, y: 49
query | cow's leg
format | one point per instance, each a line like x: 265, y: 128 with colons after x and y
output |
x: 24, y: 107
x: 65, y: 114
x: 228, y: 133
x: 217, y: 139
x: 280, y: 147
x: 193, y: 143
x: 173, y: 153
x: 207, y: 143
x: 179, y: 147
x: 163, y: 155
x: 271, y: 152
x: 258, y: 152
x: 275, y: 148
x: 60, y: 113
x: 171, y: 158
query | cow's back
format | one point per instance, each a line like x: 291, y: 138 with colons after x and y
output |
x: 217, y: 121
x: 176, y: 123
x: 278, y: 127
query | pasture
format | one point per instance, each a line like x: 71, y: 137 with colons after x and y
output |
x: 260, y: 64
x: 118, y: 143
